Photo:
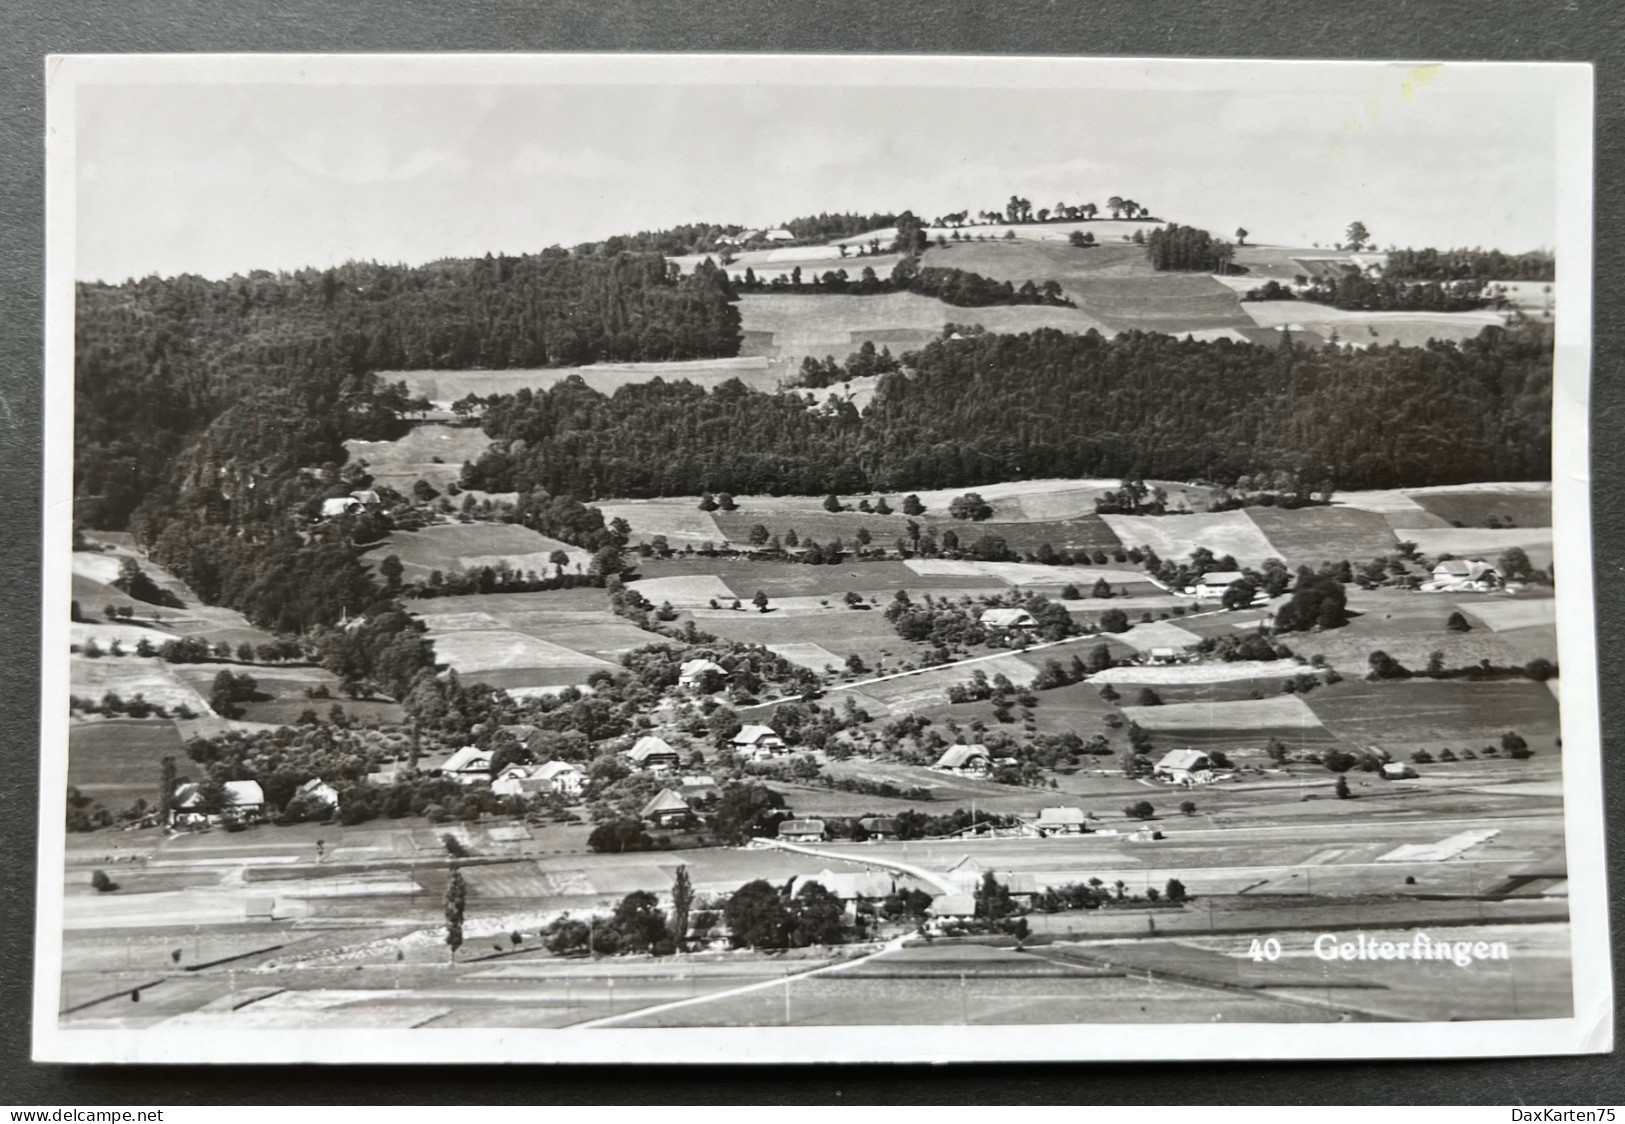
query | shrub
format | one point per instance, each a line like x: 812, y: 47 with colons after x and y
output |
x: 1143, y: 810
x: 103, y: 883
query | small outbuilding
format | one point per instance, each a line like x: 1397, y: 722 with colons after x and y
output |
x: 759, y: 742
x: 879, y: 827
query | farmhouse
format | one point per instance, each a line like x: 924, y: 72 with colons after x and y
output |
x: 758, y: 742
x: 318, y: 789
x: 339, y: 505
x: 953, y: 905
x: 1397, y: 771
x: 964, y: 760
x: 1061, y: 821
x: 512, y: 781
x: 802, y: 831
x: 666, y: 809
x: 1459, y: 575
x: 779, y: 235
x: 244, y: 801
x: 1164, y: 656
x: 561, y: 777
x: 652, y: 753
x: 699, y: 788
x: 1184, y: 766
x: 879, y: 827
x: 366, y: 497
x: 1008, y: 618
x: 468, y: 765
x: 695, y: 671
x: 1216, y: 583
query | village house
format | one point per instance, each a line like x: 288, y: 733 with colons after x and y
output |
x: 318, y: 790
x: 953, y: 906
x: 512, y: 781
x: 244, y: 803
x: 802, y: 831
x: 1460, y: 575
x: 339, y: 505
x: 1164, y: 656
x: 1216, y: 583
x: 1008, y: 619
x: 779, y: 235
x: 1397, y: 771
x: 851, y: 886
x: 1061, y: 821
x: 965, y: 760
x: 652, y: 753
x: 758, y: 742
x: 692, y: 672
x: 699, y: 788
x: 665, y: 809
x: 1184, y: 766
x: 366, y: 497
x: 561, y: 777
x: 879, y: 828
x: 468, y: 765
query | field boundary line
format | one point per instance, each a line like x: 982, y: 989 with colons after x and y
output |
x: 729, y: 993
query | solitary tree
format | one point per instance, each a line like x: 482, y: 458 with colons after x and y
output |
x: 1358, y: 237
x: 456, y: 899
x: 832, y: 502
x: 1241, y: 236
x: 1343, y: 792
x: 912, y: 505
x: 682, y: 899
x: 1458, y: 623
x: 760, y: 601
x: 166, y: 787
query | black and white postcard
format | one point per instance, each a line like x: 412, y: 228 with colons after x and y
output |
x: 743, y: 558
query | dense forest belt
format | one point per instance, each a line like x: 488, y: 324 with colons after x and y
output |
x: 999, y: 407
x: 280, y: 364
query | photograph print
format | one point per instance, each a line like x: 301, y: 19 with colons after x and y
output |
x: 765, y: 558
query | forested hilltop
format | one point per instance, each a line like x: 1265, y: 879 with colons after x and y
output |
x: 986, y: 407
x: 207, y: 413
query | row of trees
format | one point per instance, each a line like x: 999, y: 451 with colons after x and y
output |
x: 1187, y: 249
x: 958, y: 287
x: 1352, y: 288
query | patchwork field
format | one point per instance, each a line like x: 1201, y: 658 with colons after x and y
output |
x: 445, y: 387
x: 1175, y: 536
x: 695, y: 578
x: 469, y: 546
x: 1419, y: 713
x: 1200, y: 673
x: 1410, y: 627
x: 680, y: 520
x: 1160, y: 634
x: 402, y: 463
x: 128, y: 676
x: 1367, y: 329
x: 1484, y: 542
x: 792, y: 326
x: 839, y: 631
x: 1283, y: 712
x: 1309, y: 536
x: 1476, y: 509
x: 116, y: 760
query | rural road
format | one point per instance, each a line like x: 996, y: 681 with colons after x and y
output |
x: 939, y: 881
x: 954, y: 663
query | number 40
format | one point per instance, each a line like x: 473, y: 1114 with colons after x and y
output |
x: 1260, y: 951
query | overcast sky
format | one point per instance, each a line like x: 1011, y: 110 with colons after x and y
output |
x: 219, y: 178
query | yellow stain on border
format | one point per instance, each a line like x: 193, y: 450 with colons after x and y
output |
x: 1420, y: 78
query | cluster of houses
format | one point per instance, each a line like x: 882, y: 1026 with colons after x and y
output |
x: 472, y: 765
x: 244, y: 802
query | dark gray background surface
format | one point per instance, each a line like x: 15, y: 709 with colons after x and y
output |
x: 1444, y: 30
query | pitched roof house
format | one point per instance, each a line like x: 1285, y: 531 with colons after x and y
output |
x: 317, y: 789
x: 1216, y: 582
x: 651, y: 752
x: 802, y: 831
x: 1008, y: 618
x: 759, y: 741
x: 964, y: 759
x: 244, y: 800
x: 664, y: 809
x: 848, y: 885
x: 339, y: 505
x: 563, y: 777
x: 691, y: 671
x: 1184, y: 766
x: 468, y: 765
x: 1061, y: 821
x: 879, y: 827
